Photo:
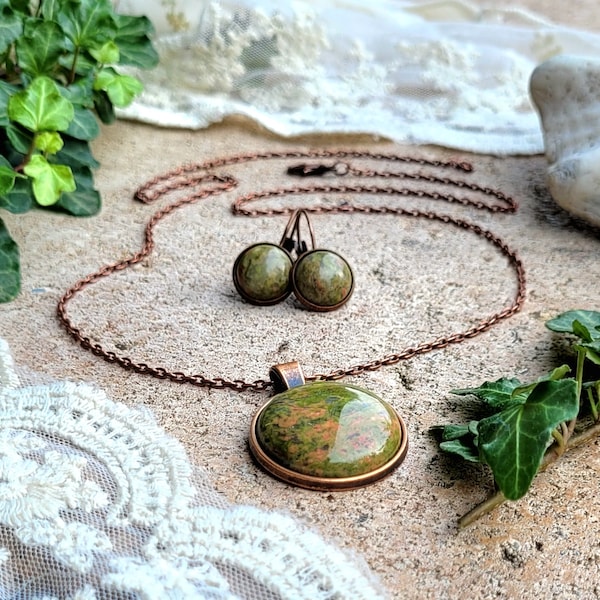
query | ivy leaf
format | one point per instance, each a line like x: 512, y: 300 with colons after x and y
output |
x: 573, y: 321
x: 7, y: 176
x: 11, y: 26
x: 498, y: 394
x: 461, y: 440
x: 49, y: 142
x: 39, y: 48
x: 10, y: 274
x: 40, y: 107
x: 20, y: 198
x: 581, y: 331
x: 104, y: 107
x: 557, y: 373
x: 513, y: 441
x: 592, y: 351
x: 20, y: 138
x: 50, y: 9
x: 49, y: 181
x: 107, y: 54
x: 76, y: 154
x: 80, y: 92
x: 85, y: 201
x: 463, y: 448
x: 84, y: 125
x: 132, y: 38
x: 87, y: 23
x: 121, y: 89
x: 21, y: 5
x: 6, y: 91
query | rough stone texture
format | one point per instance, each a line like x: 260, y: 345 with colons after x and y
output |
x: 415, y: 281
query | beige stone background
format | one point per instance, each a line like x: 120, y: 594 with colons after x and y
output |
x: 415, y: 281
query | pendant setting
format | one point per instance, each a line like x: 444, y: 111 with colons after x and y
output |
x: 326, y: 435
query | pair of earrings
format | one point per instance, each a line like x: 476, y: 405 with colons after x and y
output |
x: 267, y: 273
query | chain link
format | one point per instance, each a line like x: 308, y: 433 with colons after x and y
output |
x: 205, y: 184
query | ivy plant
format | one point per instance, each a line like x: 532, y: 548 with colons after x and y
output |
x: 58, y: 79
x: 529, y: 425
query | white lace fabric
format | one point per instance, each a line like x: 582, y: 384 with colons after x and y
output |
x: 97, y: 502
x: 438, y: 72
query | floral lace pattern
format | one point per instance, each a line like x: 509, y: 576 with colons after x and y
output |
x: 421, y: 72
x: 96, y: 501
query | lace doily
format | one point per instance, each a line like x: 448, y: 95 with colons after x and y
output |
x: 97, y: 502
x: 441, y: 72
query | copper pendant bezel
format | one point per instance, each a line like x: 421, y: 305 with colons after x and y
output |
x: 331, y: 484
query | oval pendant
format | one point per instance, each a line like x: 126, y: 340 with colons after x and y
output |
x: 326, y: 435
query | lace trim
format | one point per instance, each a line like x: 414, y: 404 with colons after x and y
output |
x: 438, y: 72
x: 95, y: 498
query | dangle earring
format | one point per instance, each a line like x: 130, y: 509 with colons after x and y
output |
x: 266, y: 273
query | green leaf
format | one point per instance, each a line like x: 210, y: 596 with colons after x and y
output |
x: 497, y: 394
x: 7, y: 176
x: 48, y: 142
x: 104, y: 107
x: 21, y: 5
x: 454, y: 432
x: 49, y: 181
x: 20, y: 138
x: 11, y: 25
x: 76, y: 154
x: 592, y: 351
x: 463, y: 448
x: 564, y: 323
x: 513, y: 442
x: 39, y: 47
x: 80, y: 92
x: 461, y: 440
x: 87, y: 23
x: 135, y: 46
x: 557, y: 373
x: 6, y: 91
x: 84, y: 125
x: 10, y: 275
x: 40, y: 107
x: 121, y: 89
x: 20, y: 198
x: 50, y: 9
x: 107, y: 54
x: 85, y: 201
x: 581, y: 331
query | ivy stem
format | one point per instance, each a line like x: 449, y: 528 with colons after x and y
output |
x: 581, y: 354
x: 593, y: 405
x: 487, y: 506
x: 550, y: 457
x: 28, y: 156
x: 74, y: 65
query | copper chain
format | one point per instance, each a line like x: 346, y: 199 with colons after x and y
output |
x: 205, y: 184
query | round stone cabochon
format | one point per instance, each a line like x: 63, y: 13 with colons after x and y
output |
x: 329, y: 430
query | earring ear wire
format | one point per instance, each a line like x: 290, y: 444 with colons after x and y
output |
x: 265, y: 274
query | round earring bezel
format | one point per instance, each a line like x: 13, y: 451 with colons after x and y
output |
x: 258, y: 301
x: 305, y: 301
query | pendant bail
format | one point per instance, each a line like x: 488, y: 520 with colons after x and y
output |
x: 286, y: 375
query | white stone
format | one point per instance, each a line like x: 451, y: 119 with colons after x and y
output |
x: 566, y: 93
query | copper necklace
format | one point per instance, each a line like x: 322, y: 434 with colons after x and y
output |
x: 203, y: 183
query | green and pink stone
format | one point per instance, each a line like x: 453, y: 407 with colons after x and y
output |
x: 261, y: 274
x: 265, y: 274
x: 327, y: 435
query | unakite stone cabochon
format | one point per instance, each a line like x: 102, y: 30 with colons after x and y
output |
x: 327, y: 435
x: 322, y: 280
x: 261, y: 274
